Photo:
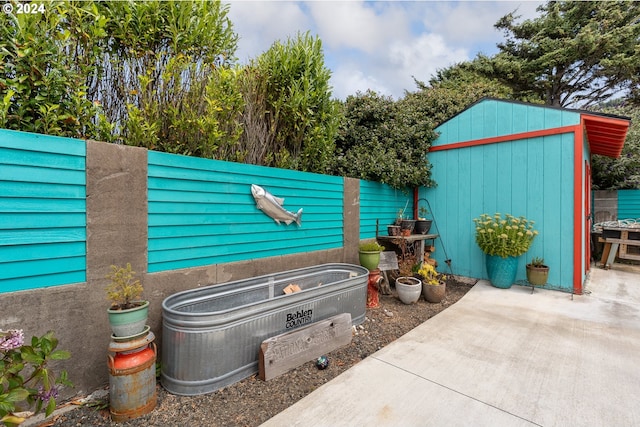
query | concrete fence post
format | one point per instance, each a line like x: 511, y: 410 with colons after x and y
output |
x: 351, y: 215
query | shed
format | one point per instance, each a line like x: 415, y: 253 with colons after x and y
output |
x: 527, y: 160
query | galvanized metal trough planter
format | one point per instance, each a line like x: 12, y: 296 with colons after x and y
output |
x: 211, y: 336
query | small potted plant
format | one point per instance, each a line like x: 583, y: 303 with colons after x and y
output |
x: 423, y: 225
x: 369, y: 255
x: 503, y: 239
x: 128, y: 312
x: 537, y: 272
x: 407, y: 226
x: 434, y: 285
x: 393, y: 230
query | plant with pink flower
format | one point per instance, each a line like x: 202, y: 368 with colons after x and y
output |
x: 26, y: 380
x: 11, y: 339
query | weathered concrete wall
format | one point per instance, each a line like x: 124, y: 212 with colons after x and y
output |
x: 351, y: 219
x: 116, y: 209
x: 605, y: 205
x: 117, y: 212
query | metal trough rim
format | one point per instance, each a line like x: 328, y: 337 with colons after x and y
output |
x: 347, y: 268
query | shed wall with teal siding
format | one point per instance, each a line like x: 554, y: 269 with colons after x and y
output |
x: 531, y: 177
x: 629, y: 204
x: 202, y: 212
x: 42, y: 211
x: 380, y: 202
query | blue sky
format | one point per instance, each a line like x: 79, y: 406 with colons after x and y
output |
x: 377, y: 45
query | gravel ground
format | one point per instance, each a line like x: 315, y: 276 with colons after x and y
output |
x: 252, y: 401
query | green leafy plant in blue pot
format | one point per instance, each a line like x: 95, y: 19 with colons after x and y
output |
x: 503, y: 239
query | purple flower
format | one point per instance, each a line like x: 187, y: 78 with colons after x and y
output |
x: 11, y: 339
x: 45, y: 395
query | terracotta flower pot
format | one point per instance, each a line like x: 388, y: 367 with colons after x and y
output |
x: 434, y: 293
x: 408, y: 224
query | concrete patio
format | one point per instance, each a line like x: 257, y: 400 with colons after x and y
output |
x: 500, y: 358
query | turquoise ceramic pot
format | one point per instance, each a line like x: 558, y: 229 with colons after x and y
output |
x: 502, y: 271
x: 126, y: 323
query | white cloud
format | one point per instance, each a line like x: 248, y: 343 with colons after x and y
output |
x: 378, y: 45
x: 260, y: 23
x: 420, y: 58
x: 462, y: 23
x: 391, y: 70
x: 347, y: 80
x: 355, y: 24
x: 424, y: 52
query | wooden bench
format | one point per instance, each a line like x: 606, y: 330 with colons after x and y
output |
x: 626, y: 238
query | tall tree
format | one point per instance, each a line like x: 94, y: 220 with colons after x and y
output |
x: 42, y: 87
x: 623, y: 172
x: 384, y: 140
x: 576, y: 53
x: 156, y: 52
x: 290, y: 119
x: 453, y: 89
x: 146, y: 73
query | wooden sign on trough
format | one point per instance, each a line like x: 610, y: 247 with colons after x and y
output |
x: 286, y: 351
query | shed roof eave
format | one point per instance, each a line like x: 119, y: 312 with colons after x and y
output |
x: 605, y: 135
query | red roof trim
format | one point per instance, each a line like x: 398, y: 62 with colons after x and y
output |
x: 503, y: 138
x: 605, y: 135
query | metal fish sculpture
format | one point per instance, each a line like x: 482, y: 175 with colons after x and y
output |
x: 272, y: 206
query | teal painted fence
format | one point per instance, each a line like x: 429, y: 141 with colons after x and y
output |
x: 628, y: 204
x: 42, y: 211
x: 202, y: 212
x: 529, y: 177
x: 381, y: 202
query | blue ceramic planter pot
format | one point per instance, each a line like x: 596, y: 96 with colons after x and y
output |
x: 502, y: 271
